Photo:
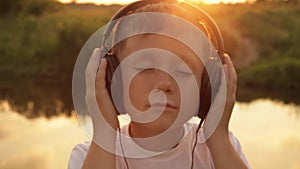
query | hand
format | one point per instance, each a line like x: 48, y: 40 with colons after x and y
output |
x: 223, y: 152
x: 97, y: 98
x: 231, y: 85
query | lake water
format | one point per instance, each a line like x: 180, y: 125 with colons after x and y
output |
x: 269, y: 133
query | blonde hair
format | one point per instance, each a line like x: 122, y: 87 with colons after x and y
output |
x: 162, y: 7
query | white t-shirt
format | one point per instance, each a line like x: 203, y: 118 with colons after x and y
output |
x: 179, y: 157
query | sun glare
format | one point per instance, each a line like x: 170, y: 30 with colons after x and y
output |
x: 217, y: 1
x: 122, y: 2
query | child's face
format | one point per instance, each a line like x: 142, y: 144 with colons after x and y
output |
x: 151, y: 78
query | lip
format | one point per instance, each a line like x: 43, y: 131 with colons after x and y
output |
x: 167, y: 106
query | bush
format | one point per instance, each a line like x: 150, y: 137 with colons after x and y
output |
x: 276, y: 74
x: 271, y: 29
x: 27, y: 7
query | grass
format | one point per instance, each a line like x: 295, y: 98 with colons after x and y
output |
x: 46, y: 43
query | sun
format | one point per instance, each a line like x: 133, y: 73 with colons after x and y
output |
x: 214, y: 1
x: 123, y: 2
x: 193, y: 1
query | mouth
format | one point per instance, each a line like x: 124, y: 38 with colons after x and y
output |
x: 167, y: 106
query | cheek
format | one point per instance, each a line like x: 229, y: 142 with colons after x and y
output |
x: 198, y: 79
x: 138, y: 92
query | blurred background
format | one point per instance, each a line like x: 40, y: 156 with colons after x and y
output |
x: 41, y: 39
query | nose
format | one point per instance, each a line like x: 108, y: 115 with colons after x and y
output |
x: 163, y: 81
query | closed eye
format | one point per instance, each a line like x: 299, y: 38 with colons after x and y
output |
x: 144, y: 68
x: 183, y: 73
x: 183, y: 70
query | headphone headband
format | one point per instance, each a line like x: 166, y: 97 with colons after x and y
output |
x: 209, y: 22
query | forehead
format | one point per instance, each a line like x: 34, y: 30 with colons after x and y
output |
x: 141, y: 42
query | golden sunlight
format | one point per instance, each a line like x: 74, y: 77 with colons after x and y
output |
x: 109, y: 2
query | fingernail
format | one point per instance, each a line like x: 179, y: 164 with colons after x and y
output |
x: 103, y: 60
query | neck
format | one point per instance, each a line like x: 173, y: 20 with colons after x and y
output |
x: 155, y: 140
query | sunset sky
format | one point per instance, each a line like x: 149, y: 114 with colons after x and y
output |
x: 108, y: 2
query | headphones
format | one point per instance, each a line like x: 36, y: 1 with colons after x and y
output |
x: 212, y: 31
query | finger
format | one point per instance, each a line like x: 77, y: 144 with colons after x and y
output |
x: 101, y: 75
x: 93, y: 63
x: 226, y: 72
x: 90, y: 73
x: 231, y: 79
x: 231, y: 69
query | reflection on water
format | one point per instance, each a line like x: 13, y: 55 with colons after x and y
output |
x: 35, y: 97
x: 267, y: 130
x: 38, y: 143
x: 269, y: 133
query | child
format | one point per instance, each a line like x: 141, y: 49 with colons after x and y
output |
x: 163, y: 92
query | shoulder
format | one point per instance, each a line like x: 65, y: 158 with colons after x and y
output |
x: 78, y: 155
x: 201, y: 138
x: 238, y: 148
x: 203, y: 146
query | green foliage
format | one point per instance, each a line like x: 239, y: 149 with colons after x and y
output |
x: 27, y: 7
x: 44, y: 46
x: 275, y: 29
x: 8, y: 6
x: 43, y: 38
x: 280, y: 73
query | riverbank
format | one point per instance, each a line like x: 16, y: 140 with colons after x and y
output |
x: 36, y: 97
x: 42, y: 46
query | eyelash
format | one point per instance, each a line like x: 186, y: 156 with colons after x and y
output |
x: 178, y: 72
x: 184, y: 73
x: 144, y: 69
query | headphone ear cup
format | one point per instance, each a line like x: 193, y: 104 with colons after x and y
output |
x: 111, y: 67
x: 112, y: 64
x: 205, y: 96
